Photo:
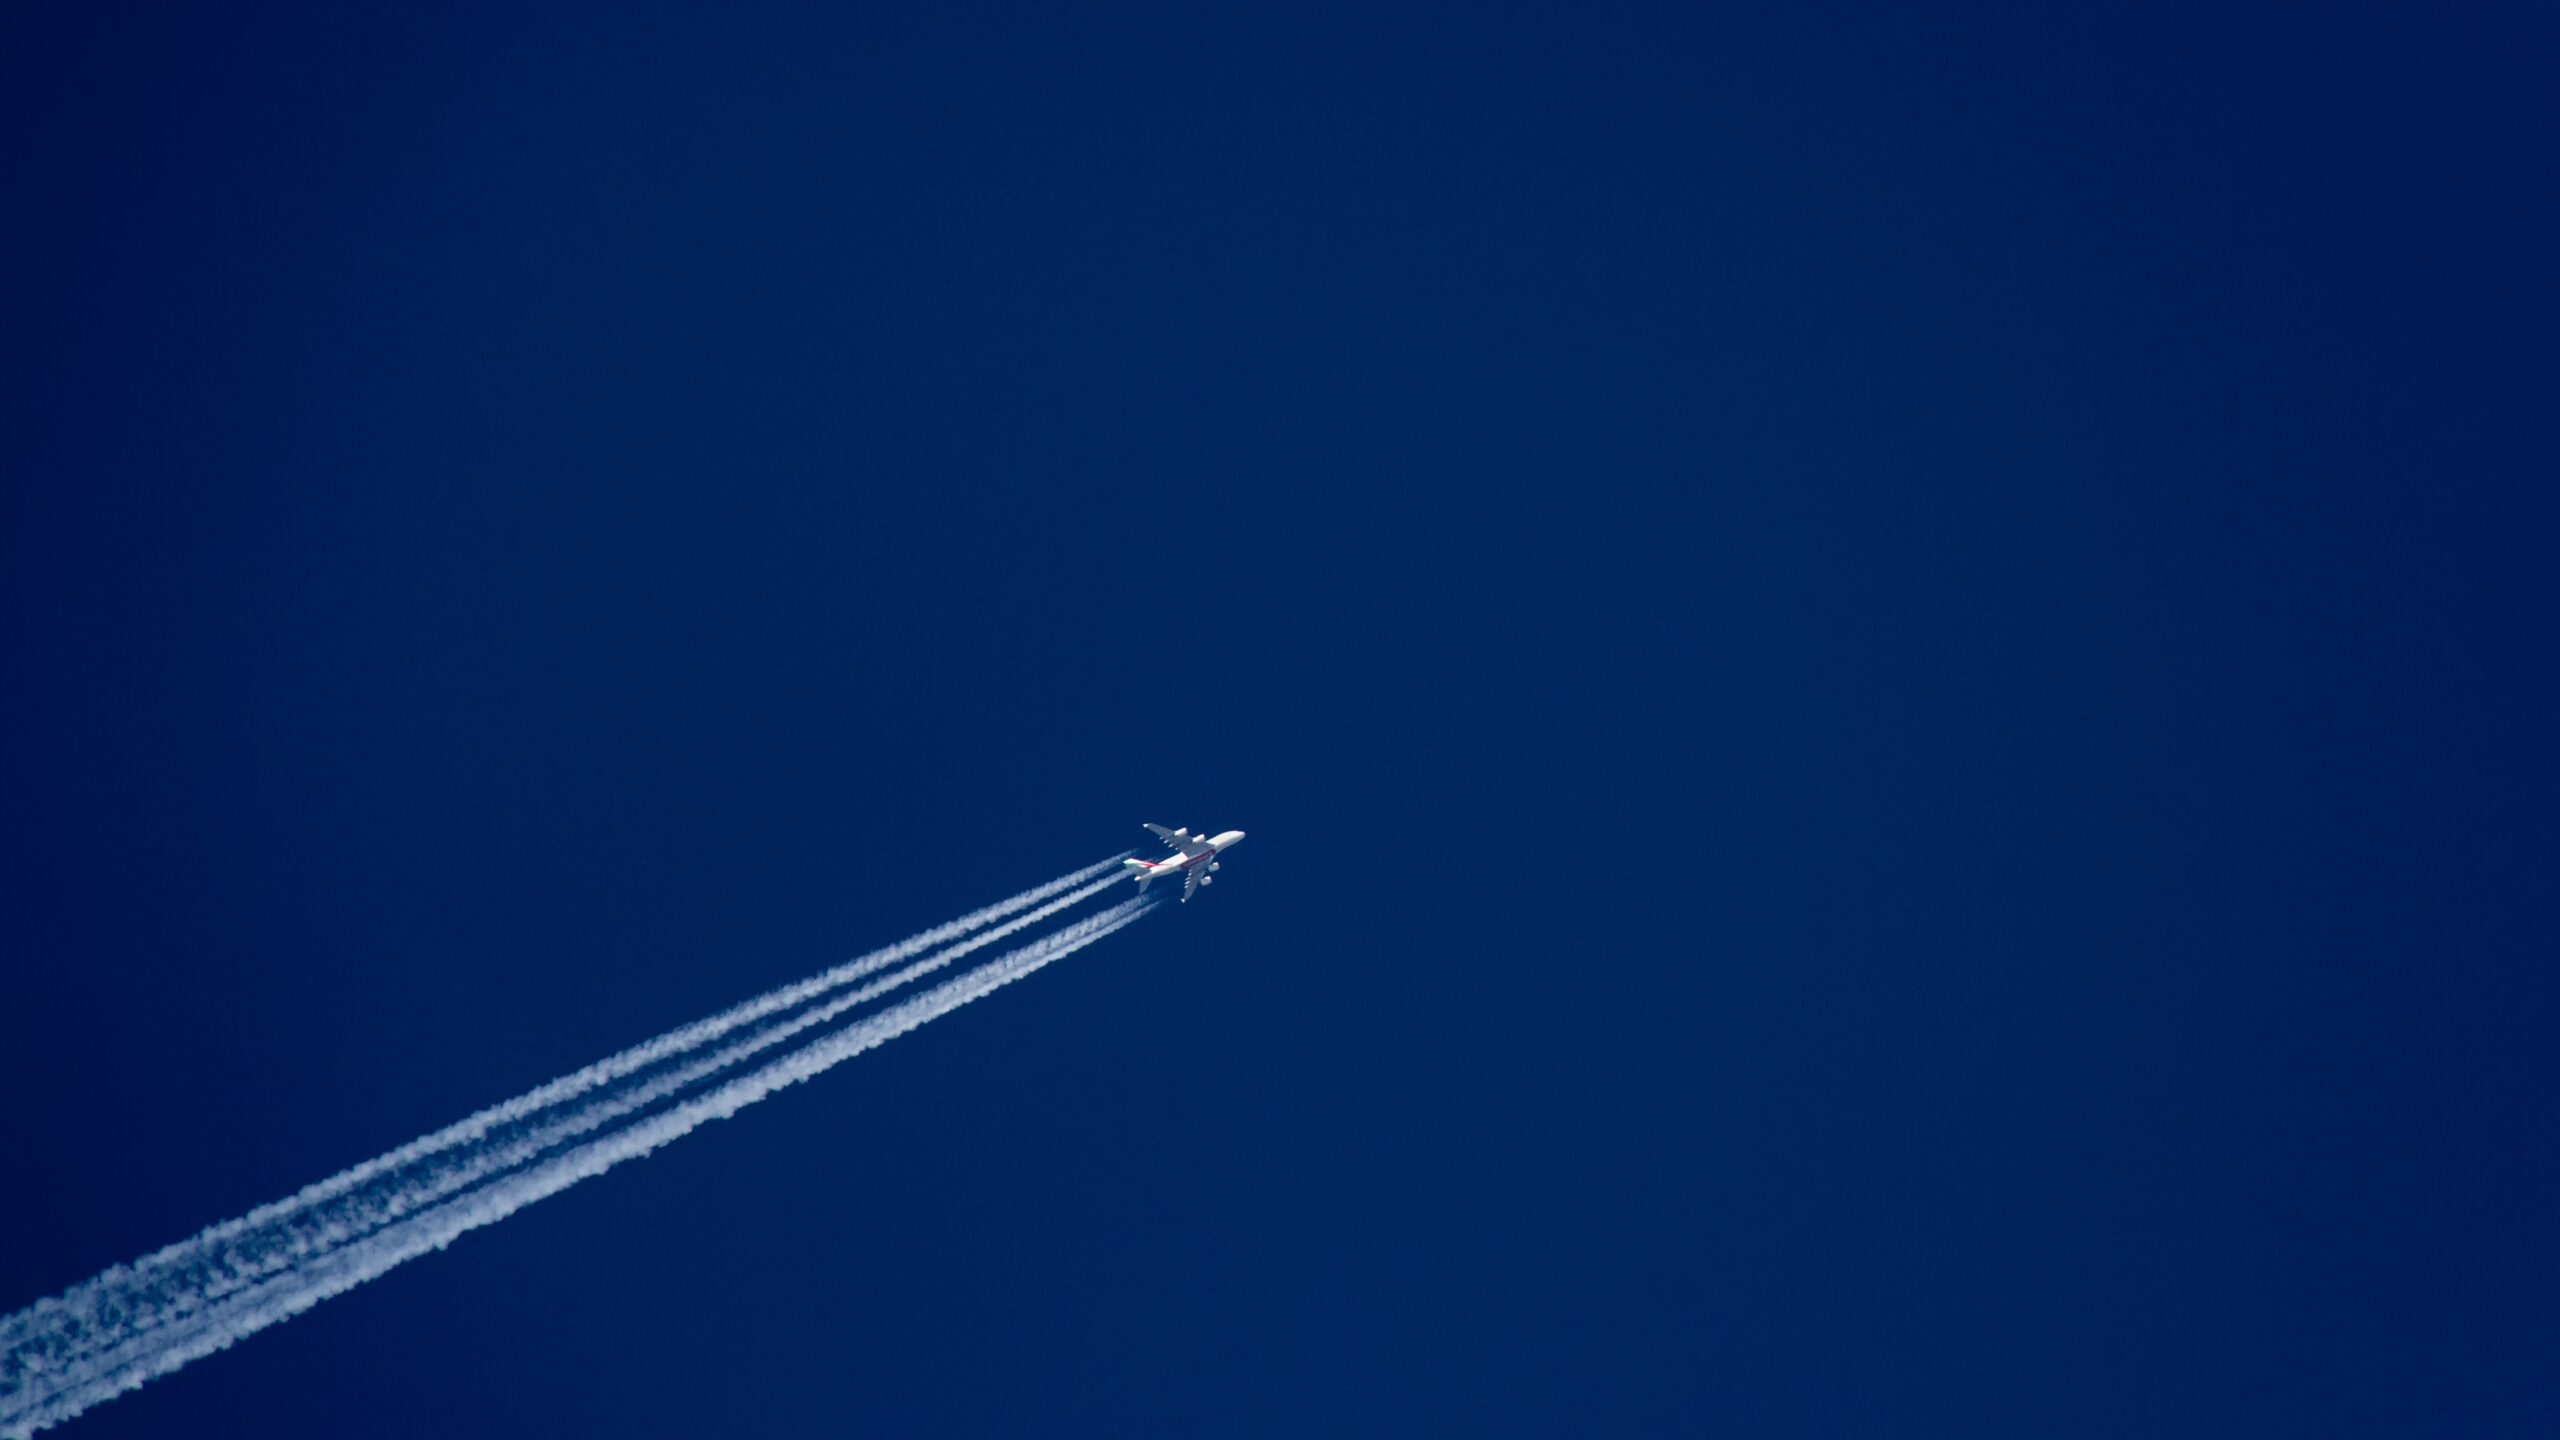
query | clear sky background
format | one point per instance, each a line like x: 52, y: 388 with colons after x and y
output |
x: 1892, y: 670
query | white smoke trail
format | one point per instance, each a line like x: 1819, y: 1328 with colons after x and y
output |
x: 146, y: 1301
x: 78, y: 1304
x: 289, y: 1294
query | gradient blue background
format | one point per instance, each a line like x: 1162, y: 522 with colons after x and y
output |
x: 1892, y: 670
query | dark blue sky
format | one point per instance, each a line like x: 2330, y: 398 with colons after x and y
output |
x: 1892, y: 670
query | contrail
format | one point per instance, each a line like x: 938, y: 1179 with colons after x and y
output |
x: 79, y: 1303
x: 143, y: 1302
x: 290, y: 1294
x: 96, y: 1341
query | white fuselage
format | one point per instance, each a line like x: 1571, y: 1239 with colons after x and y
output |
x: 1209, y: 857
x: 1206, y: 859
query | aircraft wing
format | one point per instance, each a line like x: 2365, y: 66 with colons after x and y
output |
x: 1181, y: 840
x: 1190, y: 882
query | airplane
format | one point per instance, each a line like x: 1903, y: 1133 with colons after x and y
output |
x: 1199, y: 856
